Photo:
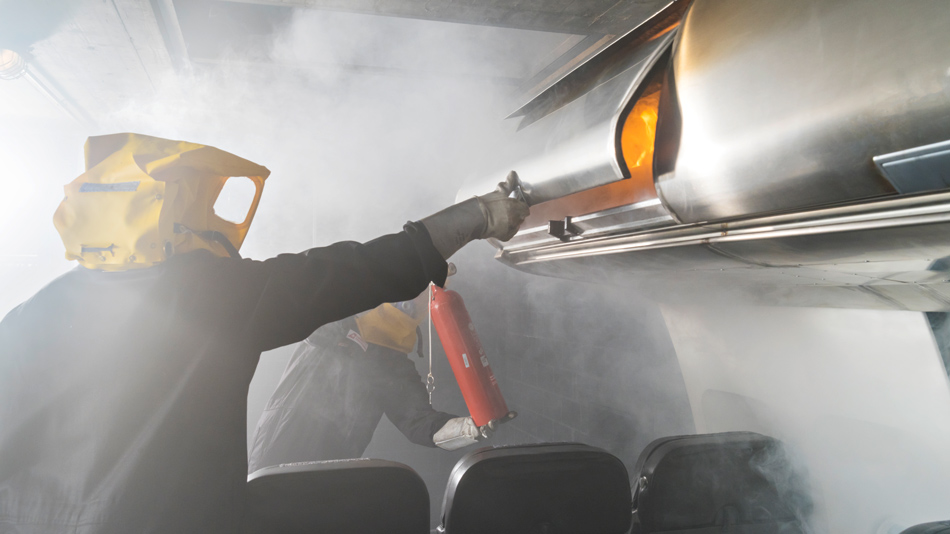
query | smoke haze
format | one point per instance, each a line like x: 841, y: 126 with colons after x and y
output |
x: 367, y: 122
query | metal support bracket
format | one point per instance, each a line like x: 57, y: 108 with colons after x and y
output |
x: 565, y: 230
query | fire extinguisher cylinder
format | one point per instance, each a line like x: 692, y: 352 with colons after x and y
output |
x: 468, y: 359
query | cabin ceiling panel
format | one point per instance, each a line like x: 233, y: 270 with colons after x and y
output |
x: 559, y: 16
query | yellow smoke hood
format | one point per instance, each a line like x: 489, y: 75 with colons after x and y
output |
x: 391, y: 327
x: 144, y: 198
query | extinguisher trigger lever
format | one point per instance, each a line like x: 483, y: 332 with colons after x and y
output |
x: 487, y: 430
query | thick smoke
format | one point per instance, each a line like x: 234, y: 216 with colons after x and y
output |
x: 25, y: 22
x: 861, y: 395
x: 367, y: 122
x: 36, y: 158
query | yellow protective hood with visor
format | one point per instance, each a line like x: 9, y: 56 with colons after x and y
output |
x: 145, y: 198
x: 394, y: 325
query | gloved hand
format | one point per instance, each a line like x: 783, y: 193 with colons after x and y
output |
x: 488, y: 216
x: 459, y: 432
x: 503, y: 215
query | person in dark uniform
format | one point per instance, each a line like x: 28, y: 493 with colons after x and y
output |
x: 332, y: 395
x: 340, y: 382
x: 123, y: 383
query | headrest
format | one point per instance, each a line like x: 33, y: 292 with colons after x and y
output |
x: 937, y: 527
x: 555, y: 488
x: 711, y: 480
x: 359, y: 496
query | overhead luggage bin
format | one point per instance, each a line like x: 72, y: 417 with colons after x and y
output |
x: 602, y: 137
x: 784, y: 106
x: 800, y: 156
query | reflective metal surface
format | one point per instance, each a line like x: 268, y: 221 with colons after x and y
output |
x: 803, y: 135
x: 606, y: 57
x: 918, y: 169
x: 880, y: 254
x: 644, y: 215
x: 580, y: 149
x: 890, y: 213
x: 784, y: 104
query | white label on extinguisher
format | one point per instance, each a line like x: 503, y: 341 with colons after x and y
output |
x: 465, y: 359
x: 484, y: 361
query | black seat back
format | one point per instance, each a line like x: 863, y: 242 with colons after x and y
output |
x: 358, y: 496
x: 741, y: 481
x: 558, y: 488
x: 937, y: 527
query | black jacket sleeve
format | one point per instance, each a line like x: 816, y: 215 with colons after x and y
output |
x: 406, y: 403
x: 279, y: 301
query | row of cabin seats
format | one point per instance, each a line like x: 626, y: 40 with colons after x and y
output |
x: 545, y: 489
x: 737, y: 482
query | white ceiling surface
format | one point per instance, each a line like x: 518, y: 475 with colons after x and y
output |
x: 412, y: 46
x: 108, y: 52
x: 19, y: 98
x: 109, y: 61
x: 111, y: 53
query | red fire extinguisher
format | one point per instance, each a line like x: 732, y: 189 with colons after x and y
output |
x: 467, y: 358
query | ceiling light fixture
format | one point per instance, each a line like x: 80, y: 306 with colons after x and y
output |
x: 12, y: 65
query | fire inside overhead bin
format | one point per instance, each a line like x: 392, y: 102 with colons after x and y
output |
x: 636, y: 142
